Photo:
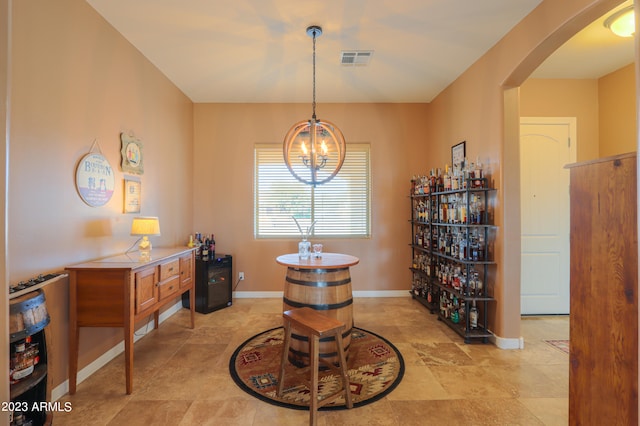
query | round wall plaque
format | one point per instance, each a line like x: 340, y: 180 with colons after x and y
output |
x: 95, y: 180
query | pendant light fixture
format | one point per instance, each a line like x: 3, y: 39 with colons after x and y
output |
x: 314, y: 149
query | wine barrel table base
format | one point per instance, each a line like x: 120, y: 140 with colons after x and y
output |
x: 324, y: 285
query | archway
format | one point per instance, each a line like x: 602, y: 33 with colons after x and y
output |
x: 511, y: 154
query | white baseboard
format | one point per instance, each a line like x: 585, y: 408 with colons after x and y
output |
x: 258, y: 294
x: 279, y: 294
x: 63, y: 388
x: 507, y: 343
x: 381, y: 293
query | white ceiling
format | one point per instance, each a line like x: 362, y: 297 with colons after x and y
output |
x: 258, y: 50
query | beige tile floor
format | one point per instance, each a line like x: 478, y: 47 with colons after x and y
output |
x: 181, y: 375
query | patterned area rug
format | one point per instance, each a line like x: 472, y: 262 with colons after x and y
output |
x: 375, y: 366
x: 562, y: 345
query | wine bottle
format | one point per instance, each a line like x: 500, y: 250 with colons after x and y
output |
x: 473, y: 316
x: 205, y: 250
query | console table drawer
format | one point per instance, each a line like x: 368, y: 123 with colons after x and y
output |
x: 168, y: 288
x: 169, y: 269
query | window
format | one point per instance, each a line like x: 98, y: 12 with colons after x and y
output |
x: 341, y: 206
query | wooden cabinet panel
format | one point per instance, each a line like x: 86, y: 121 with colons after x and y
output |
x: 146, y: 289
x: 603, y: 370
x: 186, y: 268
x: 103, y: 303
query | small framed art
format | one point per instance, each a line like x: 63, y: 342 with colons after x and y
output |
x: 458, y: 154
x: 131, y: 152
x: 132, y: 188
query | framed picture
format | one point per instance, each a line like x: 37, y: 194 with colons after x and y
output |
x: 458, y: 154
x: 132, y: 187
x: 131, y: 152
x: 95, y: 179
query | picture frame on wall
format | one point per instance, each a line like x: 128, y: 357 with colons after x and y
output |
x: 132, y: 191
x: 458, y: 154
x: 131, y: 153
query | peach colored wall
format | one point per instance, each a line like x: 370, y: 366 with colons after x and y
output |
x: 617, y: 112
x: 225, y: 135
x: 474, y: 107
x: 4, y: 301
x: 566, y: 98
x: 76, y: 79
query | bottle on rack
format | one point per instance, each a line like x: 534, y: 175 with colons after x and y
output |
x: 479, y: 285
x: 23, y: 360
x: 212, y: 246
x: 473, y: 316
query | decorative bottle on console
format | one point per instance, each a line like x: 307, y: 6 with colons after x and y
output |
x: 205, y: 250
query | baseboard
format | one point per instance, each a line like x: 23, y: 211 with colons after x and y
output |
x: 63, y: 388
x: 381, y: 293
x: 279, y: 294
x: 507, y: 343
x: 258, y: 294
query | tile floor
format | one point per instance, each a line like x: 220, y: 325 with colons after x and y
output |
x: 181, y: 375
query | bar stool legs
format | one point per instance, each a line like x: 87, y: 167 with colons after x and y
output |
x: 315, y: 325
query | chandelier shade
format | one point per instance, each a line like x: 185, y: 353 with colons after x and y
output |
x: 314, y: 150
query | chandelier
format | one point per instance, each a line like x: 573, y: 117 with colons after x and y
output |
x: 314, y: 149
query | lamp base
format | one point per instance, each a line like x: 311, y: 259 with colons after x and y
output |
x: 144, y: 248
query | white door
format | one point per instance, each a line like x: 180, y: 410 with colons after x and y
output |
x: 547, y: 144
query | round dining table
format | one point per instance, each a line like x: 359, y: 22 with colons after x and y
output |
x: 323, y: 284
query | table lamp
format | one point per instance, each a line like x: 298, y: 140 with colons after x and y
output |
x: 143, y: 227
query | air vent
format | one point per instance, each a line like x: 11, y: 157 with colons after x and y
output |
x: 355, y: 57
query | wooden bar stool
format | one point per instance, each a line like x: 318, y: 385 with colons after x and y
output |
x: 315, y: 326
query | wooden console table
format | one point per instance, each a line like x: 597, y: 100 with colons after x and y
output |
x: 118, y: 291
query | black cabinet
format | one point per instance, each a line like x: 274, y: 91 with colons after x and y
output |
x: 213, y: 284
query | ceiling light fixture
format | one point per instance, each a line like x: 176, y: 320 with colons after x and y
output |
x: 622, y: 23
x: 314, y: 149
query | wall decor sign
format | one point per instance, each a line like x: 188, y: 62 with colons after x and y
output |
x: 132, y: 191
x: 131, y: 152
x: 458, y: 154
x: 94, y: 178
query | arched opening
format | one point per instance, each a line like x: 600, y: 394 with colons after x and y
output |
x: 511, y: 147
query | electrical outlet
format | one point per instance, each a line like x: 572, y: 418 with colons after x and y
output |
x: 241, y: 276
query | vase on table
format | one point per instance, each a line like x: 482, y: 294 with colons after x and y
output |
x: 304, y: 249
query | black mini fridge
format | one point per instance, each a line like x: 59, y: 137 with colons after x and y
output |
x: 213, y: 284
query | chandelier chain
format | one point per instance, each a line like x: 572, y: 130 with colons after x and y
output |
x: 314, y: 75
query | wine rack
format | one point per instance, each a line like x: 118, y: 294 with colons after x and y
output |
x: 452, y: 248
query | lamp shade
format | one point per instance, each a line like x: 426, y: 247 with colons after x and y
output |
x: 145, y: 226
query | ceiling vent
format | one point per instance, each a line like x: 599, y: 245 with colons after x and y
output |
x: 355, y: 57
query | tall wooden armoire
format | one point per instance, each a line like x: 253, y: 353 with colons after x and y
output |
x: 603, y: 371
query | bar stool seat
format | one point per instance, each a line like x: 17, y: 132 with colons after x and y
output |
x: 315, y: 326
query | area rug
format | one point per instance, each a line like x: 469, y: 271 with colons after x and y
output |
x: 375, y: 368
x: 562, y: 345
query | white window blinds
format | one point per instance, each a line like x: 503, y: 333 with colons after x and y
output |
x: 341, y: 206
